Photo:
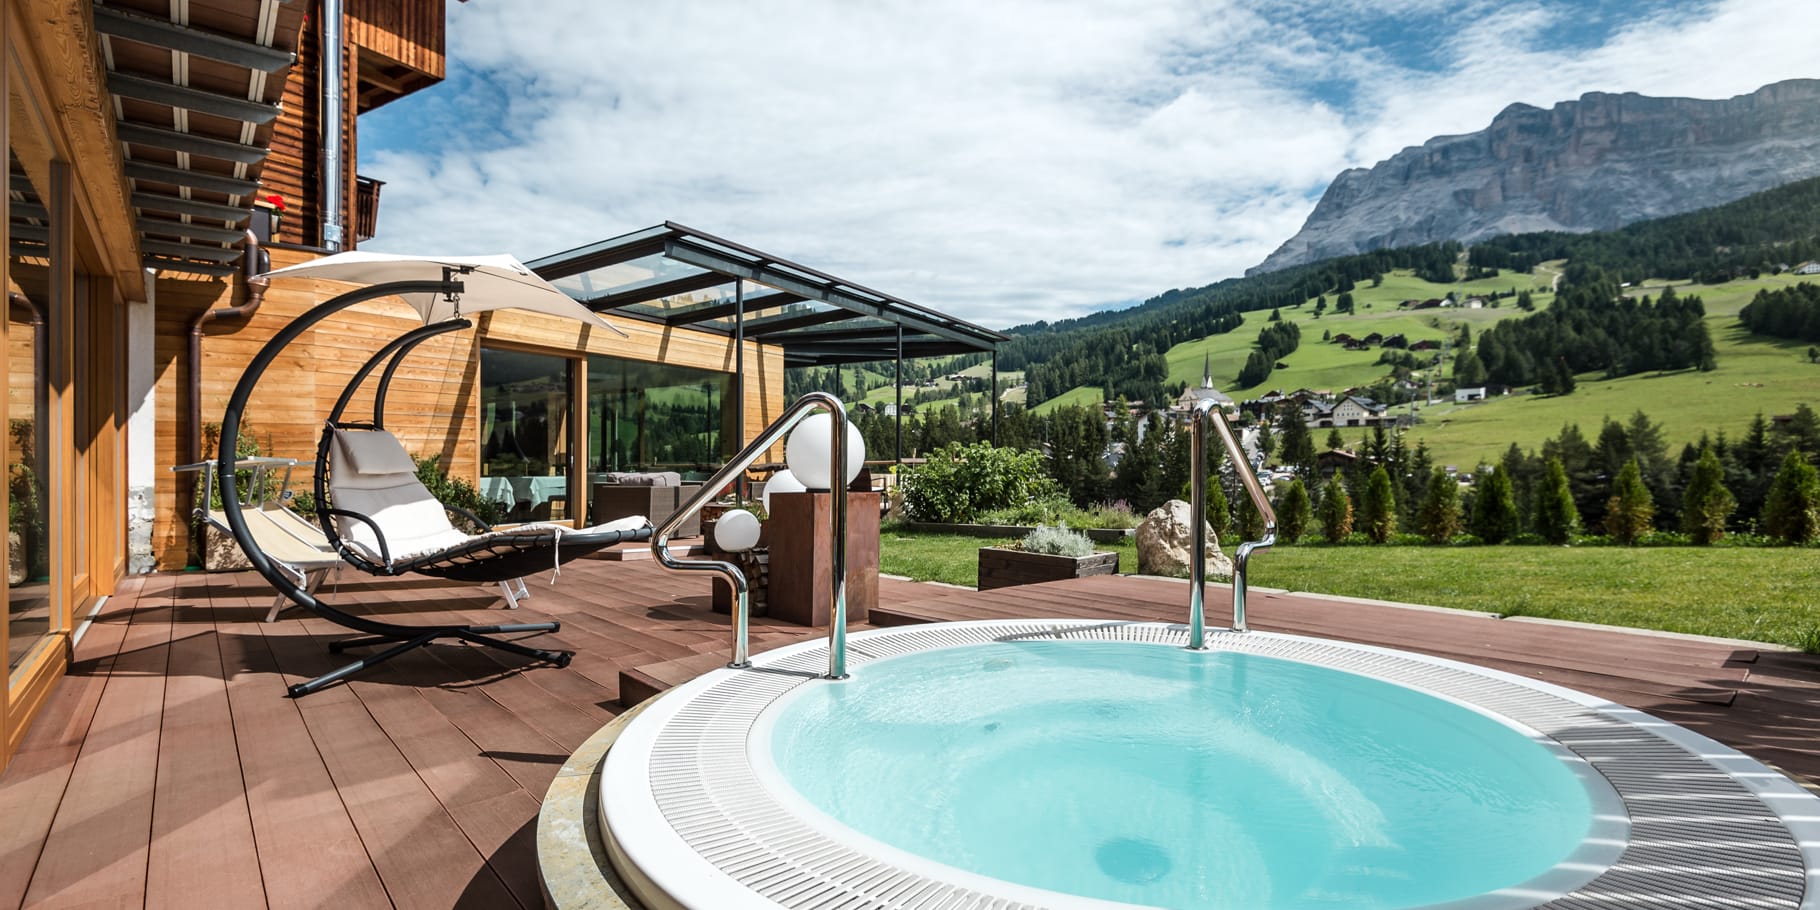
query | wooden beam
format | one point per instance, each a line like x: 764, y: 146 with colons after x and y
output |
x: 156, y: 137
x: 191, y: 99
x: 119, y: 23
x: 215, y: 183
x: 158, y: 202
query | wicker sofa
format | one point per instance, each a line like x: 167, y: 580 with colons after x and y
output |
x: 654, y: 494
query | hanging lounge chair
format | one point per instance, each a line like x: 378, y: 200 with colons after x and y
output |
x: 375, y: 513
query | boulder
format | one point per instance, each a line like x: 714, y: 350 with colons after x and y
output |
x: 1163, y: 542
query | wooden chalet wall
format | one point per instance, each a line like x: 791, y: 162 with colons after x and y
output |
x: 393, y: 48
x: 434, y: 405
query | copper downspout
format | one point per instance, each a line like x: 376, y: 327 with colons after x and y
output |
x: 255, y: 295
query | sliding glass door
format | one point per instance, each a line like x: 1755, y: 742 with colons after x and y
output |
x: 525, y: 434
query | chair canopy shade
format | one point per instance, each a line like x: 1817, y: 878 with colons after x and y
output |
x: 490, y: 283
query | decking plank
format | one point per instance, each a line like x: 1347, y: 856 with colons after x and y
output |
x: 37, y: 778
x: 202, y: 849
x: 98, y: 845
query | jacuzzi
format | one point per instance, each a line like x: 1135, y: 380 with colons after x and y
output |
x: 1079, y: 764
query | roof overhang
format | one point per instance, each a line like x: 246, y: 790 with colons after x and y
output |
x: 678, y: 276
x: 194, y: 90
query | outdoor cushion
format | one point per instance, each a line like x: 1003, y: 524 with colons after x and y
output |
x: 643, y: 478
x: 374, y: 452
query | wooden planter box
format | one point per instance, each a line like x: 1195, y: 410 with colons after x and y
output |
x: 1001, y: 567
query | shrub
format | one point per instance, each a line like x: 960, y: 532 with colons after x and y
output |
x: 1792, y: 513
x: 1336, y: 511
x: 1494, y: 511
x: 1629, y: 514
x: 453, y: 491
x: 1707, y: 503
x: 1439, y: 519
x: 1294, y: 512
x: 1379, y: 506
x: 960, y: 484
x: 1556, y: 516
x: 1058, y: 510
x: 1057, y: 541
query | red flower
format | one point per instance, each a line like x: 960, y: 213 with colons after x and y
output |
x: 276, y: 200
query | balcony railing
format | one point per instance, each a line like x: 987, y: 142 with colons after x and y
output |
x: 366, y: 207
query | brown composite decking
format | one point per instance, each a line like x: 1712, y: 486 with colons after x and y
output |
x: 170, y: 770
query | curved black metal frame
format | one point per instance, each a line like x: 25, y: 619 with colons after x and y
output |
x: 403, y: 638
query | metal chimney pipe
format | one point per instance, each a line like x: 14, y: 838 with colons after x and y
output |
x: 333, y: 190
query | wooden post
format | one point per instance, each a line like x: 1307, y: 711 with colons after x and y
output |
x: 801, y: 556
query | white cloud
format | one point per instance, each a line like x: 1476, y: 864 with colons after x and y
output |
x: 1003, y: 161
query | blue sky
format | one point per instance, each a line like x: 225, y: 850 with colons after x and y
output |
x: 1003, y: 162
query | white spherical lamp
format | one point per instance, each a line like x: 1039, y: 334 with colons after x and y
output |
x: 806, y: 451
x: 736, y: 531
x: 781, y: 482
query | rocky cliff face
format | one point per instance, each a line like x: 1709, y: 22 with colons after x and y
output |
x: 1594, y: 164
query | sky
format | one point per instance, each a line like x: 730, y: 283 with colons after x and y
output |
x: 1003, y: 161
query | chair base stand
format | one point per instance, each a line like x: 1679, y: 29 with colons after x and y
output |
x: 405, y: 641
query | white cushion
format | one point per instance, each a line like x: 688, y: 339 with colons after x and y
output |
x: 373, y: 452
x: 410, y: 518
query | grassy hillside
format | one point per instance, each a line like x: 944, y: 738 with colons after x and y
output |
x: 1320, y: 365
x: 1755, y: 373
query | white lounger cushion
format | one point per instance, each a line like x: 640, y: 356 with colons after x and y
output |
x: 412, y: 520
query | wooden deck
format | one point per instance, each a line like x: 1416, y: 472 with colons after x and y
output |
x: 170, y: 770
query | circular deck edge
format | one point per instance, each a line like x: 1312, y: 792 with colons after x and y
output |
x: 1767, y: 824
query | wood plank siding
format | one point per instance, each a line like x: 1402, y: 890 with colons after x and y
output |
x: 434, y: 403
x: 401, y: 47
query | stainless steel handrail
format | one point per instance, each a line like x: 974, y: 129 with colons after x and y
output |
x: 1241, y: 559
x: 770, y: 436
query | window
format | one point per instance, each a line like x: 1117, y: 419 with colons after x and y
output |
x: 525, y: 434
x: 654, y: 416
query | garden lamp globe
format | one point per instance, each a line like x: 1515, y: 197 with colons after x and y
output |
x: 806, y: 451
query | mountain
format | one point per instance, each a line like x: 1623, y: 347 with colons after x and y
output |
x: 1598, y: 163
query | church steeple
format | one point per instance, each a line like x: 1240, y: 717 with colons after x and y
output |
x: 1207, y: 371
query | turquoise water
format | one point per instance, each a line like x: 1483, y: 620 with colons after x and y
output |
x: 1155, y: 775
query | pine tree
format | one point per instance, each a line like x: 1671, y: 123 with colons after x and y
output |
x: 1494, y: 511
x: 1439, y: 519
x: 1378, y: 506
x: 1294, y: 512
x: 1556, y: 517
x: 1219, y: 509
x: 1248, y: 522
x: 1298, y: 443
x: 1336, y: 511
x: 1707, y: 503
x: 1335, y: 440
x: 1628, y: 515
x: 1792, y: 513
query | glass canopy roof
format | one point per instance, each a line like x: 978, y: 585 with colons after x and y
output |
x: 675, y: 275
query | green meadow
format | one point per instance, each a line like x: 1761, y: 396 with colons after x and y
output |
x: 1755, y: 373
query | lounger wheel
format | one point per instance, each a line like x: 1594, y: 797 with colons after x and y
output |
x: 563, y: 658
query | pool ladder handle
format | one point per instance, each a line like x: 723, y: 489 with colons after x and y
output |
x: 1205, y: 412
x: 770, y: 436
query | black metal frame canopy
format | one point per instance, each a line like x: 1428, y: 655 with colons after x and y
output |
x: 677, y: 276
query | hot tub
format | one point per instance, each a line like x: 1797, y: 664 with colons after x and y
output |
x: 1078, y: 764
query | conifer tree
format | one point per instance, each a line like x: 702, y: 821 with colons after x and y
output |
x: 1248, y: 523
x: 1628, y: 515
x: 1792, y: 513
x: 1494, y: 511
x: 1335, y: 440
x: 1707, y: 503
x: 1294, y: 512
x: 1556, y: 516
x: 1219, y: 509
x: 1336, y: 510
x: 1378, y: 507
x: 1439, y: 519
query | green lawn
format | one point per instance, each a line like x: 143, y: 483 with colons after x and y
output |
x: 1755, y: 373
x: 1760, y: 594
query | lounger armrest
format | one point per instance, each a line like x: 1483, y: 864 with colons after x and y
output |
x: 385, y: 553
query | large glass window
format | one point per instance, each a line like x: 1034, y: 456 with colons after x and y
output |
x: 651, y: 416
x: 28, y: 526
x: 525, y: 434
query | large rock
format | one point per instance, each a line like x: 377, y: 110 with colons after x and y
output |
x: 1594, y: 164
x: 1163, y: 539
